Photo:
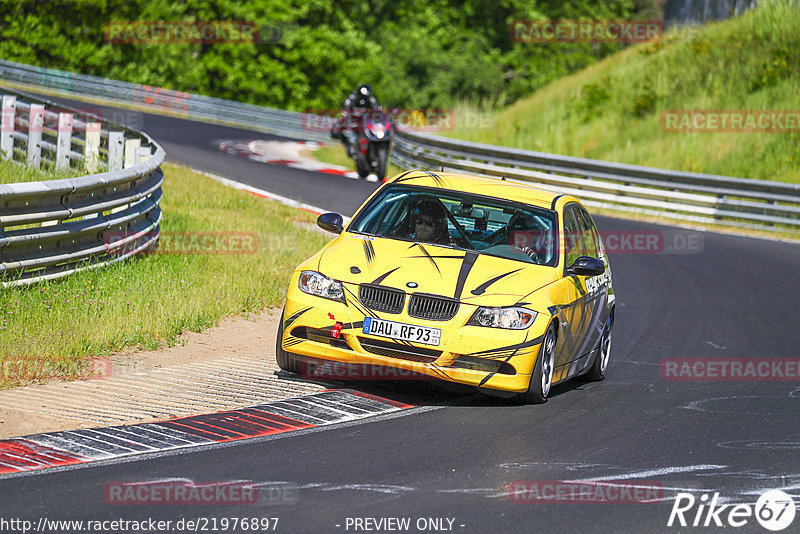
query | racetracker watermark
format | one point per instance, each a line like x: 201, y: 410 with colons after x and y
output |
x: 585, y: 31
x: 162, y: 99
x: 417, y: 119
x: 328, y: 370
x: 35, y: 369
x: 193, y: 32
x: 730, y: 369
x: 585, y: 491
x: 52, y: 120
x: 652, y: 242
x: 183, y: 243
x: 730, y: 121
x: 182, y: 493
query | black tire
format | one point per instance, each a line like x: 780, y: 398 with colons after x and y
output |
x: 362, y: 165
x: 283, y: 358
x: 542, y: 376
x: 382, y: 154
x: 600, y: 364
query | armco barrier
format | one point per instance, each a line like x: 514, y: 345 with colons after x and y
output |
x: 665, y: 193
x: 52, y: 228
x: 630, y: 188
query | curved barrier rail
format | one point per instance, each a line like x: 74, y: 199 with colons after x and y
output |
x: 190, y: 106
x: 680, y: 195
x: 665, y: 193
x: 52, y: 228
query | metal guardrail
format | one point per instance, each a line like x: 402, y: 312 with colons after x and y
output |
x: 53, y: 228
x: 665, y: 193
x: 187, y: 105
x: 629, y: 188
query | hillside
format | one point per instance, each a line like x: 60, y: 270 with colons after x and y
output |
x: 613, y: 110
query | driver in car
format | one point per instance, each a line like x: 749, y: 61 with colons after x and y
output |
x: 429, y: 223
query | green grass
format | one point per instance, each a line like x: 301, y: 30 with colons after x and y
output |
x: 11, y: 173
x: 611, y: 110
x: 56, y: 329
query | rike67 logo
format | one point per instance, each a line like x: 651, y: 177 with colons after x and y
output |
x: 774, y: 510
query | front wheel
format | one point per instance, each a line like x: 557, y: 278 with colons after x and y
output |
x: 542, y: 376
x: 362, y: 165
x: 283, y: 358
x: 381, y: 155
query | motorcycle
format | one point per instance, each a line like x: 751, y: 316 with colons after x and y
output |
x: 367, y: 138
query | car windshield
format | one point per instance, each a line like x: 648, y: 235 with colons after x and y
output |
x: 456, y: 219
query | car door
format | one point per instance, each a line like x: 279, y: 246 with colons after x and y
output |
x: 596, y: 286
x: 575, y: 318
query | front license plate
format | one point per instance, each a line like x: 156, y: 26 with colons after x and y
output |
x: 405, y: 332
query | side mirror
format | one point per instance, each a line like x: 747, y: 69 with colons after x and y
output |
x: 586, y: 266
x: 331, y: 222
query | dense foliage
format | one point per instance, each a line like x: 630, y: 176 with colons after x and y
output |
x: 424, y: 53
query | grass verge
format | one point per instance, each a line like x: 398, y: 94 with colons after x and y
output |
x: 613, y: 109
x: 57, y: 329
x: 15, y: 172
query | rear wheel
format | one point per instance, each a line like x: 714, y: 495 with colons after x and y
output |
x: 283, y: 358
x: 542, y: 376
x: 598, y: 370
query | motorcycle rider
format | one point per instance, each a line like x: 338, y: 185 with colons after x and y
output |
x: 359, y: 101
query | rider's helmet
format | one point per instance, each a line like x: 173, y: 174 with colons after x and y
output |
x: 365, y: 90
x: 363, y: 94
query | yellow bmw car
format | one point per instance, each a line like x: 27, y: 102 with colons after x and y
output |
x: 481, y: 281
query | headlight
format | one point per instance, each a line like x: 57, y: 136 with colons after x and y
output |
x: 511, y: 318
x: 319, y: 285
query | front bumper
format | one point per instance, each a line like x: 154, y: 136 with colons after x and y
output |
x: 490, y: 358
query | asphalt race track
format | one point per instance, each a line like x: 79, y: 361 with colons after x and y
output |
x: 453, y: 458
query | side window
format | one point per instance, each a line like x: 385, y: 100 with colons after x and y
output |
x: 589, y: 234
x: 573, y: 248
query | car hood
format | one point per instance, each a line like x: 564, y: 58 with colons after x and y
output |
x: 468, y: 276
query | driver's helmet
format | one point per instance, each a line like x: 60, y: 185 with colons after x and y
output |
x: 430, y: 209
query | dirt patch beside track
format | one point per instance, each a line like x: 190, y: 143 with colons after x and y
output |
x: 229, y: 366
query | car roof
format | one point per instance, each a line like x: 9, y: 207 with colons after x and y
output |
x: 487, y: 186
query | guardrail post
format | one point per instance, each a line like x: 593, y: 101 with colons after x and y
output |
x: 116, y: 142
x: 35, y: 123
x: 7, y: 131
x: 131, y: 145
x: 91, y: 152
x: 142, y: 153
x: 64, y: 142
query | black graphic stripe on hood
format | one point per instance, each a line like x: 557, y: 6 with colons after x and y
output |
x: 481, y: 289
x: 369, y: 251
x: 427, y: 255
x: 293, y: 318
x: 383, y: 277
x: 358, y: 305
x: 466, y: 266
